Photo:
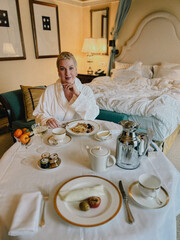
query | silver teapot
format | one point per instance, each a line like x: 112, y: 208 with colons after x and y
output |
x: 131, y: 146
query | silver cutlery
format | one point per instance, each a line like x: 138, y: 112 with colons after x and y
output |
x: 64, y: 125
x: 125, y: 198
x: 42, y: 221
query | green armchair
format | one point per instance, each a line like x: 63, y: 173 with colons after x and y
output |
x: 13, y: 103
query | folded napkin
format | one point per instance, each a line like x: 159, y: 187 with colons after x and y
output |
x: 26, y: 217
x: 82, y: 193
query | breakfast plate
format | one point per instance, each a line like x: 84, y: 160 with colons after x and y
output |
x: 110, y: 205
x: 82, y: 127
x: 151, y: 203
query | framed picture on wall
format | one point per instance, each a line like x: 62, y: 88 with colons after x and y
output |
x: 11, y: 36
x: 45, y: 27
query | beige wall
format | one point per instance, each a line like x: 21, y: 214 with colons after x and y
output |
x: 141, y: 8
x: 34, y: 71
x: 74, y: 27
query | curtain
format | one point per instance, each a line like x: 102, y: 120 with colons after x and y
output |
x: 122, y: 11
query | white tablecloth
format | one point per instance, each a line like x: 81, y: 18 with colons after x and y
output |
x: 18, y: 176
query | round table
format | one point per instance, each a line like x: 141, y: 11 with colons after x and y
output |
x: 20, y: 173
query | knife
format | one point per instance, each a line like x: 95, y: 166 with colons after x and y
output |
x: 125, y: 198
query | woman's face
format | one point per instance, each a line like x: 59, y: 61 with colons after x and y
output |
x: 67, y: 71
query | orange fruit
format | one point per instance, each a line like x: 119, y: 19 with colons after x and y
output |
x: 24, y: 138
x: 18, y: 133
x: 26, y: 130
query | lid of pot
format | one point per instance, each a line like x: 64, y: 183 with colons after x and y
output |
x: 129, y: 124
x: 99, y: 151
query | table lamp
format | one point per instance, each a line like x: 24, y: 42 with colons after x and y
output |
x: 102, y: 45
x: 89, y: 47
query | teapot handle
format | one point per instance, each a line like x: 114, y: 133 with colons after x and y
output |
x: 113, y: 162
x: 146, y: 141
x: 150, y: 134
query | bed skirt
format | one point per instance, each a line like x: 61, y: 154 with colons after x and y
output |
x: 112, y: 116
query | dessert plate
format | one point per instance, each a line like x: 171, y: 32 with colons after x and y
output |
x: 101, y: 140
x: 135, y: 194
x: 69, y: 211
x: 51, y: 141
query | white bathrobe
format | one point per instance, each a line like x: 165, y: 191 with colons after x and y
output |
x: 53, y: 103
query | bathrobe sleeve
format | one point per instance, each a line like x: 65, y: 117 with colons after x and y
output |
x: 85, y: 104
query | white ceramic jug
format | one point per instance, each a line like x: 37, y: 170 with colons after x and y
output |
x: 100, y: 158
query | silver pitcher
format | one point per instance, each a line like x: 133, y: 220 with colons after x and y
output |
x: 130, y: 146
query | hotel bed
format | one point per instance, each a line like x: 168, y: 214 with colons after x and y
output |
x: 145, y: 83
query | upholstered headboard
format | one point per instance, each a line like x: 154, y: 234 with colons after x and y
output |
x: 157, y: 39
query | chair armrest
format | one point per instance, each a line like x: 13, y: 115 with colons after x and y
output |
x: 7, y: 109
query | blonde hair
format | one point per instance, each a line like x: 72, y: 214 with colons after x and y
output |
x: 64, y: 56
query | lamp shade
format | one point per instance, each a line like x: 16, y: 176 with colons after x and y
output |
x: 89, y: 45
x: 101, y: 45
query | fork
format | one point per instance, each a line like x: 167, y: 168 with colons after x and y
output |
x: 42, y: 221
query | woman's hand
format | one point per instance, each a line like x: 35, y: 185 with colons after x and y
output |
x: 52, y: 123
x: 72, y: 88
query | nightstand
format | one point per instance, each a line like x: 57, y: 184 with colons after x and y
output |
x: 87, y: 78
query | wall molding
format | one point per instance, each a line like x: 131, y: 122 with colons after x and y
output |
x: 87, y: 3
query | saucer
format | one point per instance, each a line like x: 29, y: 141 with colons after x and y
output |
x: 50, y: 167
x: 101, y: 140
x: 51, y: 141
x: 135, y: 194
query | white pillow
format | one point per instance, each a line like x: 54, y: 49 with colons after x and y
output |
x: 133, y: 71
x: 167, y: 70
x: 120, y: 65
x: 170, y: 65
x: 146, y: 70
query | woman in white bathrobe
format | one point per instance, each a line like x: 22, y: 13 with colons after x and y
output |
x: 66, y: 99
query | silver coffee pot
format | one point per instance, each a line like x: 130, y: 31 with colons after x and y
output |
x: 131, y: 146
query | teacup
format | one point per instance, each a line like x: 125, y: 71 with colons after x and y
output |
x: 59, y: 134
x: 149, y: 185
x: 102, y: 135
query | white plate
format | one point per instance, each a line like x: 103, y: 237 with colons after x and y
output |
x: 148, y: 202
x: 51, y: 141
x: 74, y: 123
x: 108, y: 209
x: 101, y: 140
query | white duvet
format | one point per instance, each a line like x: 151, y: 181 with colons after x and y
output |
x: 157, y: 97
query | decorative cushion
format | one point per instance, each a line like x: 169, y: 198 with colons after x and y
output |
x: 31, y: 97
